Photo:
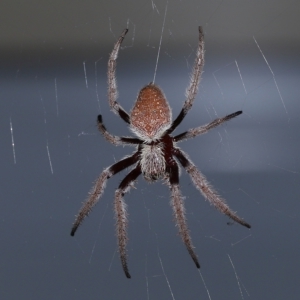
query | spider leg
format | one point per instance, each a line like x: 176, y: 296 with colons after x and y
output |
x: 112, y: 82
x: 191, y: 133
x: 192, y: 89
x: 116, y: 140
x: 179, y: 211
x: 121, y: 215
x: 99, y: 186
x: 204, y: 187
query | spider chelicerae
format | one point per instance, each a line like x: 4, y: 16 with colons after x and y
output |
x: 157, y: 154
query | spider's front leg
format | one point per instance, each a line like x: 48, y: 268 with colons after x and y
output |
x: 99, y: 186
x: 207, y: 191
x: 179, y: 210
x: 121, y: 215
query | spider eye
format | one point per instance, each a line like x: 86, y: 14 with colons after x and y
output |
x: 151, y: 114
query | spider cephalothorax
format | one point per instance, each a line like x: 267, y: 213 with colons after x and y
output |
x: 153, y: 161
x: 156, y: 155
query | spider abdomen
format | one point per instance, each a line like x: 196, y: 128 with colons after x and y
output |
x: 152, y: 162
x: 151, y: 114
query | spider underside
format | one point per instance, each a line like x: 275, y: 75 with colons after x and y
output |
x: 156, y: 155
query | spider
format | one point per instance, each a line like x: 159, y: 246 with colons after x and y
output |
x: 156, y: 155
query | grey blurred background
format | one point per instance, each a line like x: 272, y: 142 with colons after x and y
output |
x: 53, y: 85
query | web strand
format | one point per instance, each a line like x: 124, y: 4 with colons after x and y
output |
x: 162, y: 30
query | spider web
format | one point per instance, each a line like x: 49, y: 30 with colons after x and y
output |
x: 54, y: 64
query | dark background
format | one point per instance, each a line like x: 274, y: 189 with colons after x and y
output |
x: 53, y: 85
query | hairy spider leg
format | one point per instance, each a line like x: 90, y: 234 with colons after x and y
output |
x: 191, y: 133
x: 99, y: 186
x: 179, y: 210
x: 116, y: 140
x: 121, y: 215
x: 112, y: 81
x: 205, y: 188
x: 192, y: 89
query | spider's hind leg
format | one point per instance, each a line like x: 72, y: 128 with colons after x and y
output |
x: 192, y: 89
x: 112, y: 81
